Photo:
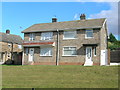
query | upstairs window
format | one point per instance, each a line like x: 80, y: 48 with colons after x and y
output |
x: 69, y: 35
x: 89, y: 33
x: 9, y: 45
x: 32, y: 37
x: 47, y: 36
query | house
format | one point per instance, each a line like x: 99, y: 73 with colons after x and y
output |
x: 79, y: 42
x: 10, y: 48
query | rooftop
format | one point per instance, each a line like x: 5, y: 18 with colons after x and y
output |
x: 10, y: 38
x: 66, y: 25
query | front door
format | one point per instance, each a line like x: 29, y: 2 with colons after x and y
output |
x: 31, y: 54
x: 88, y: 54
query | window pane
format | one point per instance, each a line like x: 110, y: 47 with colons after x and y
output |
x: 46, y: 51
x: 89, y: 33
x: 26, y: 51
x: 69, y: 34
x: 70, y: 51
x: 47, y: 36
x: 66, y: 48
x: 95, y: 51
x: 67, y: 53
x: 32, y: 36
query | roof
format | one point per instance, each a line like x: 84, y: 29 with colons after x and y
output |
x: 77, y: 24
x: 10, y: 38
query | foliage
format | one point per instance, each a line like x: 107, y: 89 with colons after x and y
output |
x: 112, y: 38
x: 113, y: 43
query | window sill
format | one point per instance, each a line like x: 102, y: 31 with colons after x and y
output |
x: 89, y: 37
x: 69, y: 38
x: 46, y: 40
x: 69, y: 55
x: 45, y: 56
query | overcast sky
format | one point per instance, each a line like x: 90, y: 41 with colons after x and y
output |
x: 18, y: 16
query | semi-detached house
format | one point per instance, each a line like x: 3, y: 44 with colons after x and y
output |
x: 78, y: 42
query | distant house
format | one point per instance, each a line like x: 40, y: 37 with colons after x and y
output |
x: 10, y: 48
x: 79, y: 42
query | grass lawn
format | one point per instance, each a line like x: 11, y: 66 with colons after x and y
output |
x: 40, y: 76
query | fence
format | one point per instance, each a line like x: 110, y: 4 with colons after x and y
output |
x: 114, y: 56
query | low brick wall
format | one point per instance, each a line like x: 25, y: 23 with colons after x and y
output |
x: 60, y: 63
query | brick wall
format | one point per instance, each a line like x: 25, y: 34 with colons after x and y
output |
x: 73, y: 60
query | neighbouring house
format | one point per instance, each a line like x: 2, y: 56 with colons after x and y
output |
x: 79, y: 42
x: 10, y: 48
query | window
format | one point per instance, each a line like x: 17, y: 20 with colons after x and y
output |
x: 9, y: 45
x: 95, y: 52
x: 26, y: 51
x: 47, y: 36
x: 46, y: 51
x: 69, y: 35
x: 32, y: 37
x: 69, y: 51
x: 20, y: 46
x: 89, y: 33
x: 9, y: 55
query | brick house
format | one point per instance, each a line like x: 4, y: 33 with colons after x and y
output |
x: 10, y: 48
x: 79, y: 42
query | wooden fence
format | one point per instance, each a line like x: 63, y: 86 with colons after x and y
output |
x: 114, y: 56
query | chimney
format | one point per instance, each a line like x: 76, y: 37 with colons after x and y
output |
x: 82, y: 17
x: 7, y: 31
x: 54, y: 19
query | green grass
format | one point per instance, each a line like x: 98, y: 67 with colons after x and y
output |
x: 40, y: 76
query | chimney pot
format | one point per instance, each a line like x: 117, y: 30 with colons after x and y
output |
x: 82, y: 17
x: 7, y: 31
x: 54, y: 19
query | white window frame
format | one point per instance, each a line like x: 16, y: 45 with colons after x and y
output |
x: 49, y: 51
x: 95, y: 51
x: 19, y: 46
x: 75, y: 32
x: 69, y: 47
x: 31, y: 36
x: 45, y: 38
x: 88, y: 31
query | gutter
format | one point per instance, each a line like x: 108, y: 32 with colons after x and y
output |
x: 12, y: 54
x: 59, y: 29
x: 57, y: 51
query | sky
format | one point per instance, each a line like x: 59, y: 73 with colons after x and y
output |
x: 17, y: 16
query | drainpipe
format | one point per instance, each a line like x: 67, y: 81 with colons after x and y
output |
x: 12, y: 53
x: 57, y: 51
x: 23, y: 56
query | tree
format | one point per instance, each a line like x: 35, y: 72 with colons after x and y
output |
x: 112, y: 38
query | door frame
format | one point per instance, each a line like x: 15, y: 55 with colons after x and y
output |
x: 86, y: 53
x: 30, y: 56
